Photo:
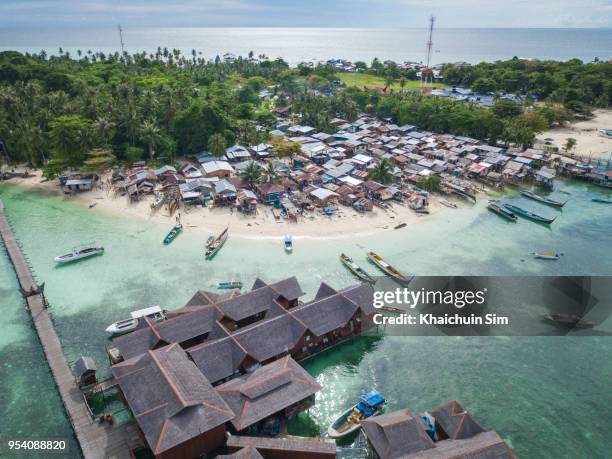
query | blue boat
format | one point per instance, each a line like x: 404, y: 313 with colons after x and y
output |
x: 371, y: 404
x: 528, y: 214
x: 602, y: 201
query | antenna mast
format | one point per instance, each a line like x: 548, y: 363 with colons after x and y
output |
x: 121, y: 39
x: 427, y: 72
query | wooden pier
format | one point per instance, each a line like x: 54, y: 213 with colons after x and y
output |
x: 97, y: 441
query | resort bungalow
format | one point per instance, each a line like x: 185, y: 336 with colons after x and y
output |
x: 220, y: 169
x: 402, y: 434
x: 244, y: 447
x: 178, y: 412
x: 268, y: 396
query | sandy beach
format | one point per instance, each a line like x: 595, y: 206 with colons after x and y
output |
x: 345, y: 223
x: 589, y: 143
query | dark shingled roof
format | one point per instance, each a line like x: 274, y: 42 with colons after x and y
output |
x: 268, y: 390
x: 299, y: 445
x: 456, y: 421
x: 396, y: 435
x: 270, y: 338
x: 170, y: 398
x: 201, y: 298
x: 485, y: 445
x: 218, y: 359
x: 249, y: 304
x: 245, y: 453
x: 362, y: 295
x: 325, y: 290
x: 177, y: 329
x: 327, y: 314
x: 289, y: 288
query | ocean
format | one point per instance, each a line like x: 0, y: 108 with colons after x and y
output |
x: 546, y: 396
x: 307, y: 44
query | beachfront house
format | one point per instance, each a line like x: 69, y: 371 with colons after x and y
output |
x: 220, y: 169
x: 225, y: 192
x: 247, y: 201
x: 323, y: 196
x: 270, y: 193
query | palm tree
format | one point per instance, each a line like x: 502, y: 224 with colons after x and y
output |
x: 271, y: 174
x: 104, y: 130
x: 216, y: 145
x: 252, y: 174
x: 151, y: 135
x: 382, y: 172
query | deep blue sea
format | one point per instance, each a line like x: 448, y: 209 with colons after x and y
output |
x: 306, y: 44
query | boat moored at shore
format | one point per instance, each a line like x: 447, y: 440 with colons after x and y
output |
x: 213, y: 247
x: 388, y: 269
x: 356, y: 269
x: 542, y: 199
x: 173, y: 233
x: 500, y: 210
x: 529, y: 215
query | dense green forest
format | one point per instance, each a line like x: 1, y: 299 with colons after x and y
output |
x: 93, y: 109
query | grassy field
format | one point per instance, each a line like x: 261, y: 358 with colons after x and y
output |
x: 364, y: 79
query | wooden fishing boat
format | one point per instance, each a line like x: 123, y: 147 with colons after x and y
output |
x: 542, y: 199
x: 173, y: 233
x: 546, y: 255
x: 356, y: 269
x: 154, y: 314
x: 602, y: 201
x: 400, y: 226
x: 288, y: 243
x: 371, y: 404
x: 446, y: 203
x: 528, y: 214
x: 494, y: 206
x: 79, y: 254
x: 571, y: 320
x: 229, y: 285
x: 216, y: 244
x: 388, y: 269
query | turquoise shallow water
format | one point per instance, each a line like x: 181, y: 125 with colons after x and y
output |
x: 549, y: 397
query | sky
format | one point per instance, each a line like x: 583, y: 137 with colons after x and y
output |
x: 58, y: 14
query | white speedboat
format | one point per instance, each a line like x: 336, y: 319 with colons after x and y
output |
x: 79, y: 254
x: 288, y: 243
x: 154, y: 313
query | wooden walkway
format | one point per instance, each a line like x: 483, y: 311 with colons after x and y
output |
x: 97, y: 441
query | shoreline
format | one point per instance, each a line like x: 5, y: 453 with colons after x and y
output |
x: 346, y: 223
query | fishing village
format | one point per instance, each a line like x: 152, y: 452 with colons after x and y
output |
x: 366, y: 168
x: 197, y: 242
